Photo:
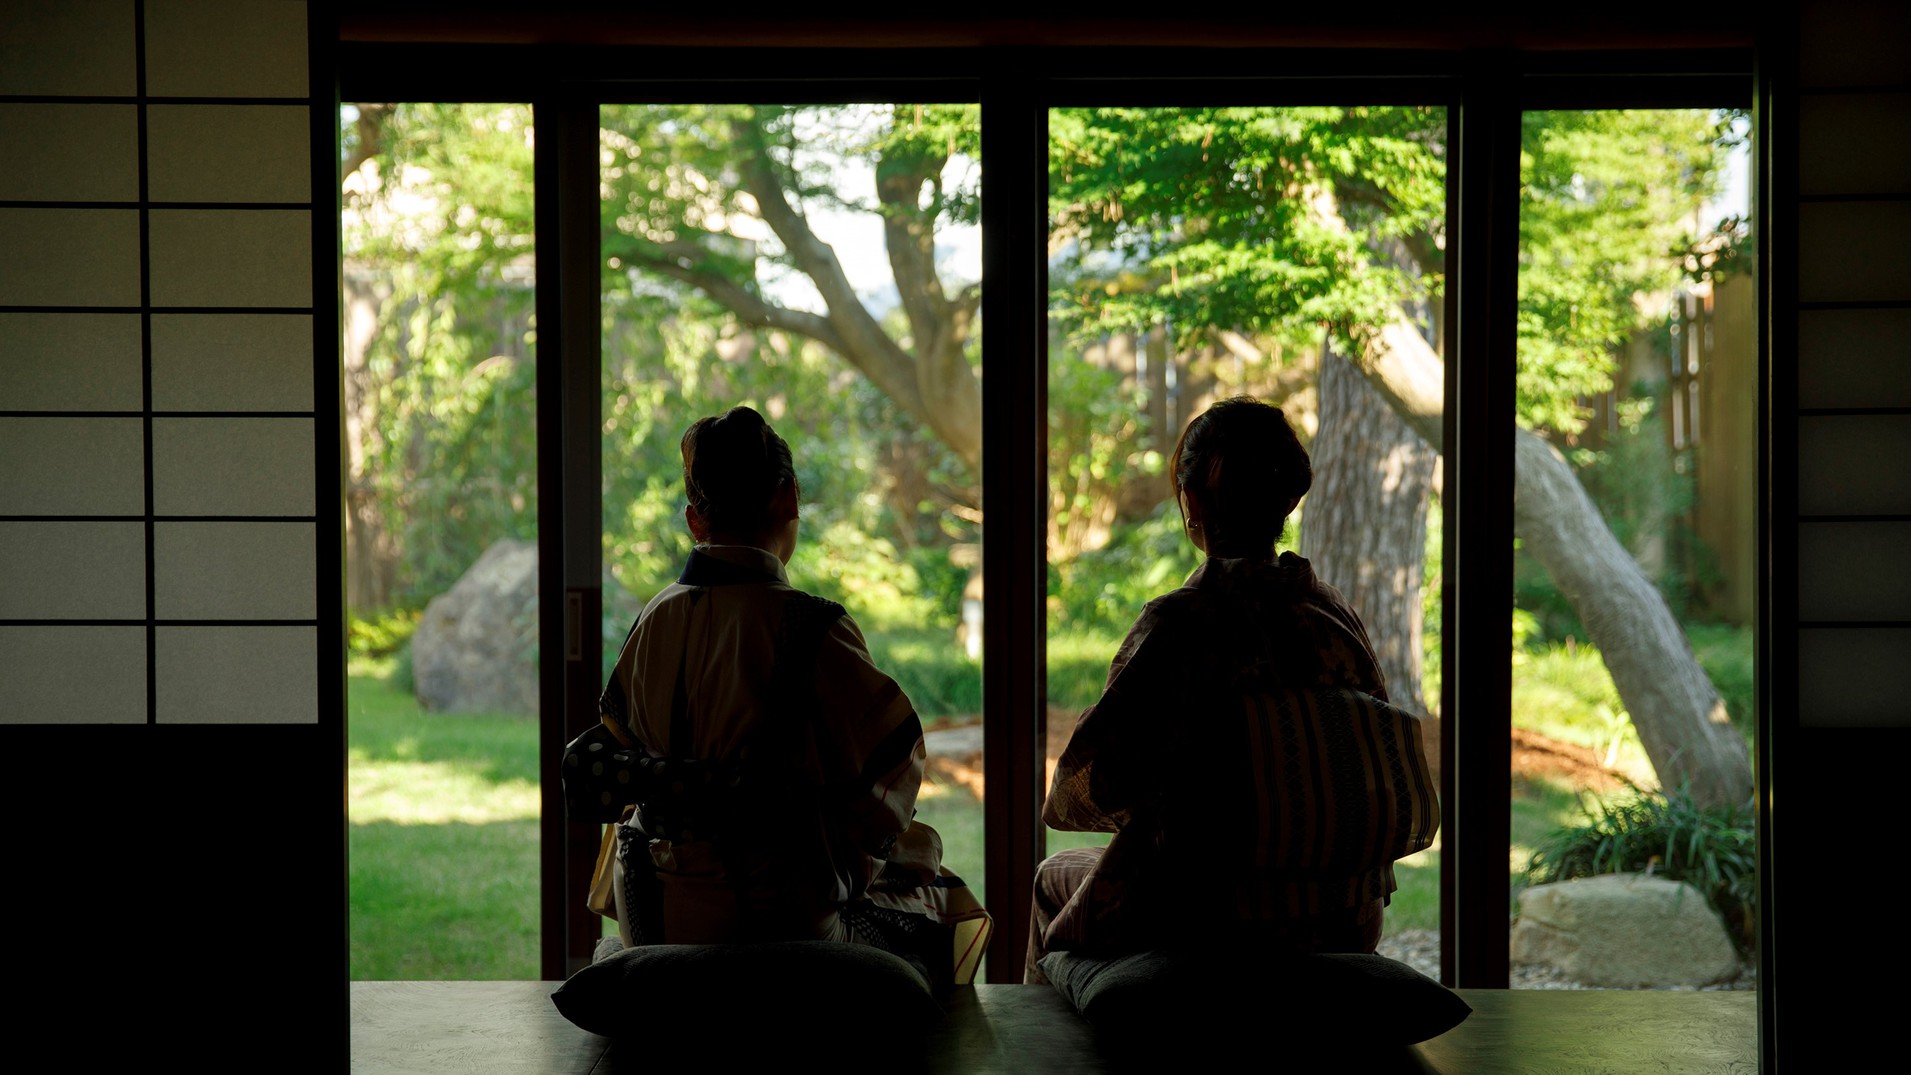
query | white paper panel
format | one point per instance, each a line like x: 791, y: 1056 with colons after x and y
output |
x: 72, y: 571
x: 72, y: 466
x: 68, y: 48
x: 236, y: 675
x: 1854, y: 678
x: 232, y: 362
x: 69, y: 257
x: 235, y: 571
x: 69, y: 362
x: 226, y: 48
x: 231, y: 257
x: 229, y: 153
x: 1854, y: 571
x: 232, y: 466
x: 1851, y: 42
x: 1854, y: 358
x: 1854, y: 143
x: 69, y: 152
x: 1854, y: 251
x: 1854, y: 465
x: 72, y: 675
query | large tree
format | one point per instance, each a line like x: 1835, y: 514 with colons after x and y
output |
x: 1212, y: 224
x: 1268, y: 218
x: 718, y: 198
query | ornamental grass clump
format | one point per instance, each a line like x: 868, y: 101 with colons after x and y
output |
x: 1711, y: 848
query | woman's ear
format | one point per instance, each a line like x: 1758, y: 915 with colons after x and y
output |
x: 699, y: 530
x: 783, y: 506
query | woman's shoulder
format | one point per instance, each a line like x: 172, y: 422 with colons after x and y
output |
x: 804, y: 613
x: 1174, y: 606
x: 1311, y: 590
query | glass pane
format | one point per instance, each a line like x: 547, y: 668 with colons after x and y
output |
x: 1635, y: 569
x: 820, y: 264
x: 441, y: 540
x: 1201, y: 254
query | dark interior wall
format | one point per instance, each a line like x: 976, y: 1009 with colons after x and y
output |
x: 1839, y: 665
x: 179, y: 892
x: 171, y: 698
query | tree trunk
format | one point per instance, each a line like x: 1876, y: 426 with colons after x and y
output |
x: 371, y: 559
x: 1365, y: 523
x: 1143, y: 491
x: 1682, y: 722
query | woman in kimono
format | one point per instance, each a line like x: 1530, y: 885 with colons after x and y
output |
x: 1143, y: 761
x: 772, y: 766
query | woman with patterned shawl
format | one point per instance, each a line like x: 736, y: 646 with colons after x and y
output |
x: 1146, y: 762
x: 772, y: 767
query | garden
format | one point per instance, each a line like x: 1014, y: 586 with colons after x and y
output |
x: 821, y: 264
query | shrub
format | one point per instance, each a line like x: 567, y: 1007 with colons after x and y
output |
x: 1104, y: 589
x: 1727, y: 655
x: 1713, y: 849
x: 382, y: 635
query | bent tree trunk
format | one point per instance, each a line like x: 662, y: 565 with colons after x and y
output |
x: 1681, y: 720
x: 1365, y: 525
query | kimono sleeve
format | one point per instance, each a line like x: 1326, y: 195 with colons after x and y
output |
x: 1112, y: 763
x: 1346, y: 655
x: 869, y: 741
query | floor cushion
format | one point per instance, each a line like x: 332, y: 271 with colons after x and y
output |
x: 1311, y: 1005
x: 728, y: 995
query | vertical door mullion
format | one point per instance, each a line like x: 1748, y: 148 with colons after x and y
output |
x: 570, y: 508
x: 1774, y: 128
x: 1476, y: 691
x: 1014, y: 453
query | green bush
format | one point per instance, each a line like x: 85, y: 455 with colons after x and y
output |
x: 383, y: 635
x: 1078, y: 666
x: 1103, y: 590
x: 1713, y: 849
x: 1726, y: 653
x: 931, y: 669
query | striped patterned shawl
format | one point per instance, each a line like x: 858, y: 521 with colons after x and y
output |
x: 1245, y: 755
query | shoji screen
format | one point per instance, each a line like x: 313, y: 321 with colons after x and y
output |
x: 1854, y: 369
x: 159, y: 517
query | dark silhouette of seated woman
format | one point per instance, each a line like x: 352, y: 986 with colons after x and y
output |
x: 1207, y: 840
x: 771, y: 769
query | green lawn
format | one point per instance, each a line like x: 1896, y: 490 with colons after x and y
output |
x: 444, y: 810
x: 443, y: 843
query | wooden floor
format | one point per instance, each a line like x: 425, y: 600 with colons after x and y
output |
x: 478, y: 1028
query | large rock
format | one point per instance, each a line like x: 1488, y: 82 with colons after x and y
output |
x: 1624, y: 931
x: 475, y: 649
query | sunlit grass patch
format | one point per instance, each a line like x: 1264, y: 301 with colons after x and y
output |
x: 956, y: 815
x: 1078, y: 667
x: 1543, y: 807
x: 1567, y: 694
x: 433, y: 793
x: 1416, y: 903
x: 442, y: 848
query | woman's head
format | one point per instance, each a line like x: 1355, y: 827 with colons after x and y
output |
x: 1238, y: 472
x: 740, y: 482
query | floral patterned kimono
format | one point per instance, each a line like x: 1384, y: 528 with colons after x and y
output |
x: 1143, y: 763
x: 804, y: 762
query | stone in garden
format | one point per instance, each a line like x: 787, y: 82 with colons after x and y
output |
x: 475, y: 648
x: 1624, y: 931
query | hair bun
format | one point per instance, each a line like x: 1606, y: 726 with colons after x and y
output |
x: 733, y: 465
